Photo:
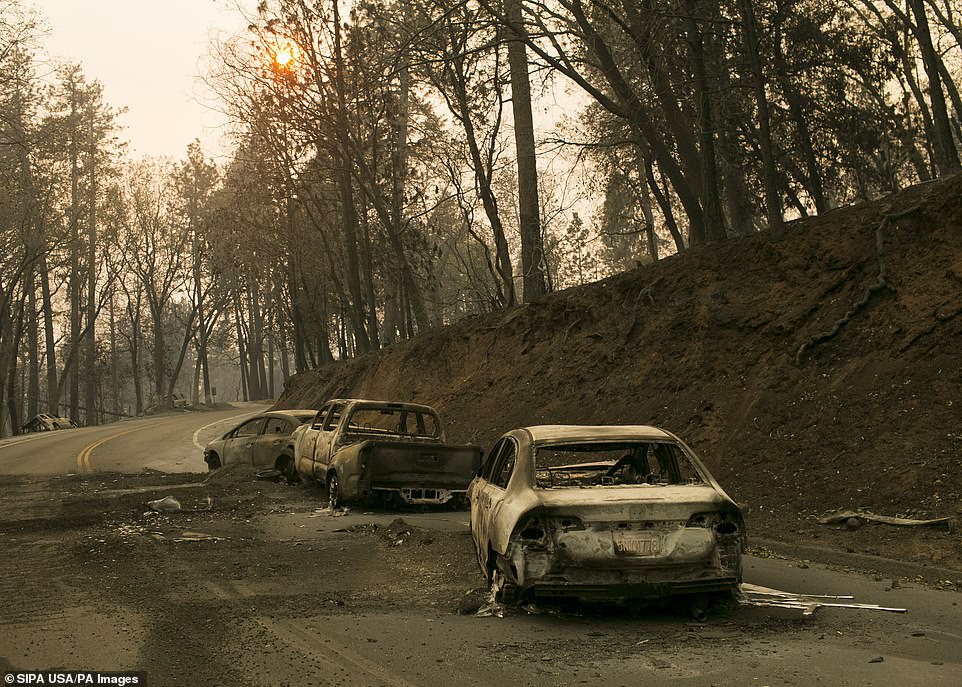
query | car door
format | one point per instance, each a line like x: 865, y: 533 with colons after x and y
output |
x: 489, y: 495
x: 270, y: 443
x: 305, y: 446
x: 325, y: 440
x: 478, y: 496
x: 238, y: 447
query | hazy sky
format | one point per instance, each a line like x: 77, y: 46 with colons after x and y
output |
x: 148, y: 55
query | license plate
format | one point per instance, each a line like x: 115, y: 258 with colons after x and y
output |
x: 637, y: 545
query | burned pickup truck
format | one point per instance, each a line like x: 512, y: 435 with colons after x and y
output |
x: 358, y: 449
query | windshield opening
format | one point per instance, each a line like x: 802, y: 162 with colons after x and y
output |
x: 612, y: 464
x: 381, y: 420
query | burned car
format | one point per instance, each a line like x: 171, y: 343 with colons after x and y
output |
x: 602, y: 513
x: 261, y: 441
x: 44, y: 422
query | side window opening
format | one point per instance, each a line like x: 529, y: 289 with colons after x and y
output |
x: 318, y: 421
x: 276, y: 426
x: 668, y: 463
x: 333, y: 417
x: 505, y: 464
x: 487, y: 468
x: 249, y: 429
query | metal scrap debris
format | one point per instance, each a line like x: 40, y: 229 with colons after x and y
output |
x: 167, y: 504
x: 865, y: 516
x: 493, y: 607
x: 754, y: 595
x: 170, y: 504
x: 196, y: 536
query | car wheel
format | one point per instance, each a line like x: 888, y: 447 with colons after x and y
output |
x: 213, y: 461
x: 333, y: 492
x: 290, y: 472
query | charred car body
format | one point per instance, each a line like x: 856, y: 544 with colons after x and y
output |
x: 262, y: 441
x: 44, y: 422
x: 358, y: 449
x: 610, y: 513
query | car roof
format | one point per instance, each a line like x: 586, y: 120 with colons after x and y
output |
x: 401, y: 405
x: 548, y: 433
x: 296, y: 412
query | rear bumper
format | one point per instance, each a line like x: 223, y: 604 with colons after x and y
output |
x: 621, y: 578
x: 422, y: 495
x: 626, y: 592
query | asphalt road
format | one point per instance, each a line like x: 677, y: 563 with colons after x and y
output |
x: 169, y: 443
x: 752, y: 645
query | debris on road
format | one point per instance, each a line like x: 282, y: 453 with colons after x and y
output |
x: 128, y: 531
x: 168, y: 504
x: 338, y: 512
x: 754, y: 595
x: 864, y: 516
x: 472, y: 601
x: 270, y: 475
x: 171, y: 504
x: 196, y: 536
x: 397, y: 532
x: 492, y: 607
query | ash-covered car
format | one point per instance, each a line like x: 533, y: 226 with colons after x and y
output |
x: 602, y: 513
x: 261, y: 441
x: 44, y: 422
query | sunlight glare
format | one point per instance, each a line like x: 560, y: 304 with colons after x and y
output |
x: 285, y: 54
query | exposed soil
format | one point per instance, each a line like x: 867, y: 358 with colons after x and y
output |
x: 721, y: 345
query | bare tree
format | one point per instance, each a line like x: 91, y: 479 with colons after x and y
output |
x: 532, y: 250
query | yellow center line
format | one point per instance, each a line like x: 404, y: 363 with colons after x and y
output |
x: 83, y: 458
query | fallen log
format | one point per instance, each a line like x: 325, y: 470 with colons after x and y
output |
x: 865, y: 516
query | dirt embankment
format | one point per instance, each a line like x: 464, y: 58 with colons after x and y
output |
x: 706, y: 344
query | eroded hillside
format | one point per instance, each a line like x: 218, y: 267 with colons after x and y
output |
x: 706, y: 344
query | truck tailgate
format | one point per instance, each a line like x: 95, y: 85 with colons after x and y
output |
x: 396, y: 464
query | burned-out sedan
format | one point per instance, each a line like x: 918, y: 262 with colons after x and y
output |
x: 602, y: 513
x: 261, y: 441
